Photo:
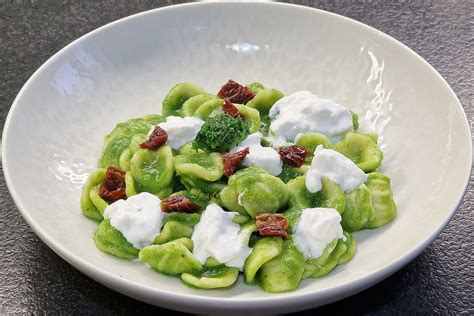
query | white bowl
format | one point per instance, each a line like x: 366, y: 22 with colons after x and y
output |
x: 54, y: 131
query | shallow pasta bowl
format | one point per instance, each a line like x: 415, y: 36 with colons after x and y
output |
x: 55, y: 128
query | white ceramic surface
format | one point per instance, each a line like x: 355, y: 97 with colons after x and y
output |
x: 54, y: 131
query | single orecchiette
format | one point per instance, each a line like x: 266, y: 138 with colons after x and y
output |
x: 312, y: 140
x: 254, y: 191
x: 264, y: 99
x: 208, y: 167
x: 193, y: 103
x: 176, y: 97
x: 91, y: 187
x: 211, y: 277
x: 330, y: 196
x: 118, y: 140
x: 110, y: 240
x: 362, y: 150
x: 172, y: 258
x: 264, y: 250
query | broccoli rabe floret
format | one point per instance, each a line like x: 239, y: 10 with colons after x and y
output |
x: 221, y: 133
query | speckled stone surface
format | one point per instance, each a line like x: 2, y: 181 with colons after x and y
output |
x: 34, y: 280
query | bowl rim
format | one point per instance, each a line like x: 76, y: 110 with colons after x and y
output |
x: 132, y: 288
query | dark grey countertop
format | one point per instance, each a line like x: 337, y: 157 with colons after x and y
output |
x: 34, y: 280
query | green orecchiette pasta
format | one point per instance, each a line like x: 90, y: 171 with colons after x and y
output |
x: 252, y: 117
x: 351, y: 247
x: 98, y: 202
x: 293, y: 215
x: 289, y: 173
x: 284, y: 272
x: 255, y: 87
x: 172, y: 258
x: 208, y: 108
x: 152, y: 170
x: 88, y: 208
x: 317, y: 263
x: 264, y: 250
x: 382, y: 200
x: 264, y: 100
x: 209, y: 167
x: 211, y: 277
x: 208, y: 187
x: 118, y: 140
x: 189, y: 220
x: 173, y: 230
x: 331, y: 195
x: 359, y: 210
x: 110, y: 240
x: 323, y: 267
x: 362, y: 150
x: 179, y: 94
x: 255, y: 191
x: 312, y: 140
x: 193, y: 103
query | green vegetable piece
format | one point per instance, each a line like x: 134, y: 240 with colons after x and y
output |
x: 324, y: 268
x: 362, y: 150
x: 264, y: 250
x: 87, y: 206
x: 179, y: 94
x: 110, y: 240
x: 259, y: 191
x: 359, y: 210
x: 351, y: 247
x: 312, y: 140
x: 211, y: 277
x: 208, y: 108
x: 172, y: 258
x: 255, y: 87
x: 119, y: 138
x: 98, y: 202
x: 355, y: 120
x: 173, y: 230
x: 193, y: 103
x: 135, y: 142
x: 152, y: 170
x: 264, y: 100
x: 252, y: 117
x: 382, y: 200
x: 331, y: 195
x: 209, y: 167
x: 209, y: 188
x: 284, y: 272
x: 221, y: 133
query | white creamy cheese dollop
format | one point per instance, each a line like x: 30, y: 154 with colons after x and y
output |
x: 180, y: 130
x: 335, y: 166
x: 266, y: 158
x: 139, y: 218
x: 217, y: 236
x: 304, y: 112
x: 316, y: 229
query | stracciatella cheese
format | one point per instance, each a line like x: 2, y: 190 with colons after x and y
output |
x: 139, y: 218
x: 180, y: 130
x: 316, y: 229
x: 266, y: 158
x: 335, y: 166
x: 304, y: 112
x: 217, y: 236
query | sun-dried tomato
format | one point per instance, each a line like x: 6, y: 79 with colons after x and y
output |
x: 156, y: 139
x: 272, y: 224
x: 231, y: 110
x: 233, y: 160
x: 235, y: 93
x: 178, y: 203
x: 293, y: 155
x: 113, y: 186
